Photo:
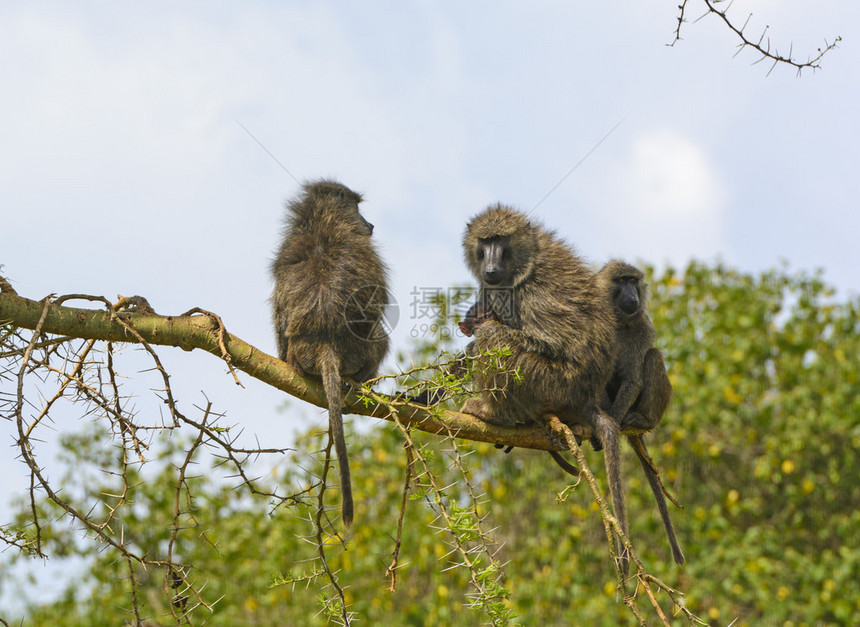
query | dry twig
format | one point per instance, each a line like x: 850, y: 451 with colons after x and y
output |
x: 761, y: 45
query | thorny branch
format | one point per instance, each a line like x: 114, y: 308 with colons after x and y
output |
x: 470, y: 544
x: 322, y: 523
x: 175, y: 576
x: 761, y: 45
x: 87, y: 376
x: 391, y: 571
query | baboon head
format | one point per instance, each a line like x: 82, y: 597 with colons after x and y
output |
x: 478, y: 314
x: 627, y: 288
x: 327, y: 201
x: 500, y: 245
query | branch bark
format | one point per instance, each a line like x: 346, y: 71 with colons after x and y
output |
x: 200, y: 331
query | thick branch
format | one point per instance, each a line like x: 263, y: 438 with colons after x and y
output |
x: 201, y: 332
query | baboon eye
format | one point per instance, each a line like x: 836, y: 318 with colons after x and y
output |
x: 480, y: 254
x: 506, y: 252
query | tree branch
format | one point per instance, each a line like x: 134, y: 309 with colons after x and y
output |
x: 190, y: 332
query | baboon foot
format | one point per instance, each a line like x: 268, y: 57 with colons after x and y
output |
x: 638, y: 422
x: 478, y: 408
x: 475, y: 407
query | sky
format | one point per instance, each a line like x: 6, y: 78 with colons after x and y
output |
x: 128, y: 166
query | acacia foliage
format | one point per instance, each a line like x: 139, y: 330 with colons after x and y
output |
x: 759, y: 445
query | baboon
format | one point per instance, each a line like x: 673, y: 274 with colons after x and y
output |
x: 558, y: 325
x: 477, y: 314
x: 639, y: 390
x: 330, y: 293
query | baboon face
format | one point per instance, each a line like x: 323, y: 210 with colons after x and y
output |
x: 627, y: 294
x: 500, y: 245
x: 348, y: 206
x: 364, y: 225
x: 494, y: 254
x: 350, y: 215
x: 628, y: 288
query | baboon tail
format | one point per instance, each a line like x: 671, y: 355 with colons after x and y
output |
x: 566, y: 466
x: 657, y: 489
x: 330, y: 371
x: 608, y: 432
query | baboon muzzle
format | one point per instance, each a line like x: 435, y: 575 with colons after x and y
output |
x: 628, y: 299
x: 493, y: 265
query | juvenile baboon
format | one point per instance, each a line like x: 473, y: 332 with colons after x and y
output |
x: 639, y: 390
x: 477, y: 314
x: 558, y: 325
x: 329, y: 297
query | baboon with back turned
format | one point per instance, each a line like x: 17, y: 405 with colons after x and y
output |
x: 330, y: 294
x: 559, y: 328
x: 639, y: 390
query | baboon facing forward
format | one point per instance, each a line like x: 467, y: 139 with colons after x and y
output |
x: 550, y: 313
x: 558, y: 325
x: 330, y: 294
x: 639, y: 391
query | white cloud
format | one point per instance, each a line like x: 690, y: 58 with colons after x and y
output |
x: 661, y: 200
x: 670, y: 178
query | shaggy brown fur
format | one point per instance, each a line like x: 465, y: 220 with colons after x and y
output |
x: 329, y: 297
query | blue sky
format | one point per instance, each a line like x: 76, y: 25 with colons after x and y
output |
x: 124, y: 168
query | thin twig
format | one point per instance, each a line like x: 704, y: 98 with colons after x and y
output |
x: 320, y: 527
x: 762, y: 45
x: 391, y: 571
